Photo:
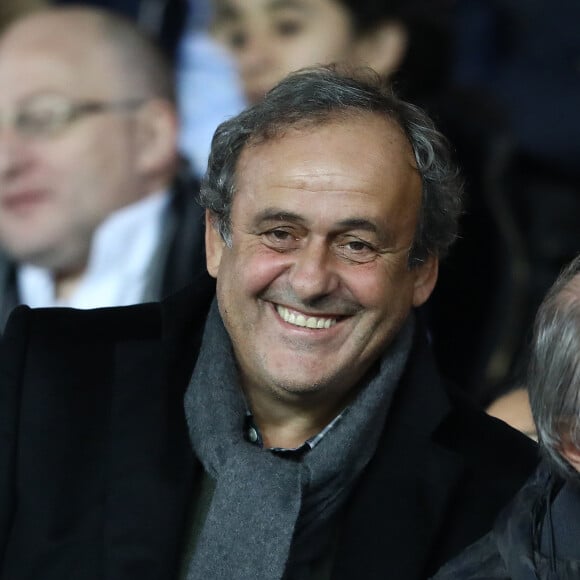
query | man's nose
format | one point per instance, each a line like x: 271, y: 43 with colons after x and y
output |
x: 257, y: 56
x: 313, y: 273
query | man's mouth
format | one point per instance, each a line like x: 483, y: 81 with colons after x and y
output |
x: 299, y: 319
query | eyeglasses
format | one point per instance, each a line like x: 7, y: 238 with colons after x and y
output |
x: 48, y: 115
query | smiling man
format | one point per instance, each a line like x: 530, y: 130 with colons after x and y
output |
x: 298, y: 428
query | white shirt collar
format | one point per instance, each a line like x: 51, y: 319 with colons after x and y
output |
x: 121, y: 253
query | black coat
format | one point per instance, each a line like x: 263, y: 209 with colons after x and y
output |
x: 524, y: 541
x: 96, y: 469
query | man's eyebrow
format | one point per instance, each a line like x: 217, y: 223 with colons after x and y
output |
x: 272, y: 214
x: 386, y: 237
x: 276, y: 215
x: 359, y: 224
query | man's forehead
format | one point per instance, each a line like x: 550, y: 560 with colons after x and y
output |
x: 356, y: 120
x: 48, y: 28
x: 310, y: 139
x: 62, y: 56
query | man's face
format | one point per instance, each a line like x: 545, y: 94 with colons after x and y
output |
x: 55, y: 190
x: 316, y: 282
x: 271, y: 38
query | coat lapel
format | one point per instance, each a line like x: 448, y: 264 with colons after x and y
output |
x: 152, y: 466
x: 401, y: 501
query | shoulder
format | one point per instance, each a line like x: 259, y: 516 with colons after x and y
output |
x: 480, y: 561
x: 176, y: 314
x: 61, y: 325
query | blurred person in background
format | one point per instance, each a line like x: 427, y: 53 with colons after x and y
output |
x: 536, y: 537
x: 402, y: 41
x: 207, y: 87
x: 96, y: 207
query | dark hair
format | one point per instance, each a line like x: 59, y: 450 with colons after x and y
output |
x: 315, y: 96
x: 554, y: 371
x: 425, y: 68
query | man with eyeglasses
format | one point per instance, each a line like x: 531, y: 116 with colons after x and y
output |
x: 96, y: 206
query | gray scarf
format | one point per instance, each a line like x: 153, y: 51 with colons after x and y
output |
x: 268, y: 511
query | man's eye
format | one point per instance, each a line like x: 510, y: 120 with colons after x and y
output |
x: 358, y: 246
x: 278, y: 235
x: 280, y: 239
x: 237, y: 39
x: 40, y: 122
x: 357, y: 250
x: 288, y: 27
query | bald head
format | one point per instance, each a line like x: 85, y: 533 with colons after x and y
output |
x: 101, y: 47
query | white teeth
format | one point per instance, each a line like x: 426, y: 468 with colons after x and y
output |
x: 303, y: 321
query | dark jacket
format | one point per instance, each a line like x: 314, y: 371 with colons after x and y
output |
x: 97, y: 472
x: 178, y: 259
x: 525, y: 543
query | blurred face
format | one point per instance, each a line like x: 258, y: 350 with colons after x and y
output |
x: 56, y: 188
x: 316, y: 283
x: 271, y: 38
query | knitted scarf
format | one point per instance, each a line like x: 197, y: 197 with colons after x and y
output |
x: 268, y: 512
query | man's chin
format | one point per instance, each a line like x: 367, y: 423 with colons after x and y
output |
x: 309, y: 383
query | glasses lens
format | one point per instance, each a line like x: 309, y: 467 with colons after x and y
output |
x: 43, y: 115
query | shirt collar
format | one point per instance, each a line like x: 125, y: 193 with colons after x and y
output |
x: 253, y: 435
x: 121, y: 251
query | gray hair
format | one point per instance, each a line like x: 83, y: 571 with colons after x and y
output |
x: 318, y: 95
x: 554, y: 371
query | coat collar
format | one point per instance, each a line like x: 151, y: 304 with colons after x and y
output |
x: 401, y: 501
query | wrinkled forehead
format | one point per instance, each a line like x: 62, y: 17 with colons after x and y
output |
x: 48, y: 54
x: 386, y: 128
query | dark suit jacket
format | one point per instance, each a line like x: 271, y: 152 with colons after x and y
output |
x: 179, y: 257
x: 96, y: 469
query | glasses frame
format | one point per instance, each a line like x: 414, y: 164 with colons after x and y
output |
x: 71, y: 112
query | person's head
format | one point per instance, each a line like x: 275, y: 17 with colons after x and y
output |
x: 271, y: 38
x: 329, y: 205
x: 87, y: 126
x: 554, y: 373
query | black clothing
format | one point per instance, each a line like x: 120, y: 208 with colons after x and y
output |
x: 97, y: 470
x: 535, y: 538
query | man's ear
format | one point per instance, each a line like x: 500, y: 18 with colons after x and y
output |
x: 425, y: 279
x: 156, y: 138
x: 383, y: 48
x: 214, y: 245
x: 571, y: 452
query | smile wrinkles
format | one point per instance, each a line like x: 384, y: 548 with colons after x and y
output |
x: 299, y: 319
